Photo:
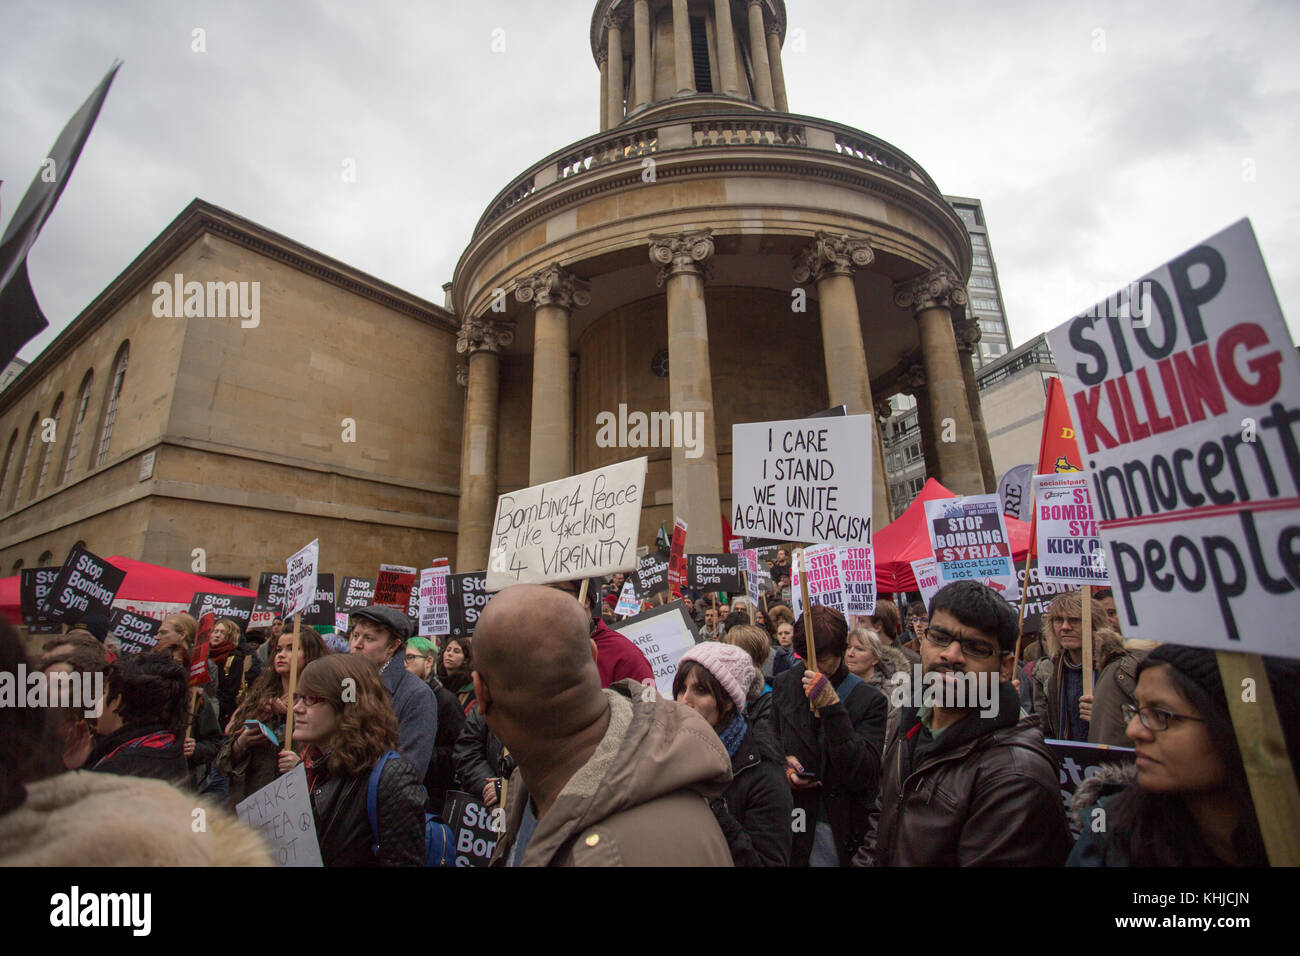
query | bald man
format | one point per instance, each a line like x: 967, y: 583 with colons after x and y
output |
x: 617, y: 658
x: 613, y: 777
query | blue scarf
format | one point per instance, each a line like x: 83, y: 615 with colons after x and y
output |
x: 734, y: 735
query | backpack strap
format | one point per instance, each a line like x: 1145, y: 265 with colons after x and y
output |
x: 372, y: 797
x: 848, y: 686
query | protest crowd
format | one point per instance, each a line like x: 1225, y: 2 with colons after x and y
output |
x: 546, y: 728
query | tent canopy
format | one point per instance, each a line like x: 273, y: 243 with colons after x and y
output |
x: 906, y: 539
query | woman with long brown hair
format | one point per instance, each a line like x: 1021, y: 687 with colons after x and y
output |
x: 342, y: 715
x: 203, y: 741
x: 248, y: 756
x: 236, y: 663
x: 456, y: 670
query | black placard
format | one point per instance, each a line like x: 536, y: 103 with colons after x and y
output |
x: 355, y: 593
x: 34, y: 586
x: 135, y: 632
x: 651, y: 574
x: 714, y: 572
x: 467, y: 595
x: 474, y: 826
x: 233, y: 606
x: 321, y: 609
x: 86, y: 586
x: 270, y: 594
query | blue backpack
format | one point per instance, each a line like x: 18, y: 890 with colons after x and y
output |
x: 439, y: 842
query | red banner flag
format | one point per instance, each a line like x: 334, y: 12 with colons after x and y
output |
x: 1058, y: 451
x: 677, y: 559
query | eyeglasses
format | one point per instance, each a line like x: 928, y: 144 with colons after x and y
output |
x: 1154, y: 718
x: 970, y: 646
x: 307, y: 700
x: 1075, y: 622
x: 414, y: 657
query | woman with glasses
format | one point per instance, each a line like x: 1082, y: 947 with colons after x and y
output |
x: 1058, y: 677
x: 248, y: 757
x: 342, y: 715
x: 1185, y: 801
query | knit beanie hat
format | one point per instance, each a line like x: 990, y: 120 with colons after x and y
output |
x: 731, y: 666
x: 1201, y: 666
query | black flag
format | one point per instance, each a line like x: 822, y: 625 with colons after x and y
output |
x: 20, y: 314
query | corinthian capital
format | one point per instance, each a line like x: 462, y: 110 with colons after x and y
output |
x: 553, y: 286
x: 938, y: 288
x: 602, y: 56
x: 884, y: 410
x: 829, y: 255
x: 462, y: 375
x: 681, y: 253
x: 968, y: 333
x: 615, y: 20
x: 484, y: 335
x: 913, y: 380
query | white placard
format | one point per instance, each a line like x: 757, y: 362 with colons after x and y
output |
x: 752, y: 579
x: 627, y: 600
x: 926, y: 573
x: 300, y: 579
x: 803, y: 480
x: 663, y: 634
x: 281, y: 813
x: 1186, y: 420
x: 578, y: 527
x: 969, y: 539
x: 435, y: 615
x: 858, y: 571
x: 825, y: 580
x: 1069, y: 548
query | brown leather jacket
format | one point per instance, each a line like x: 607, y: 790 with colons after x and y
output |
x: 641, y: 800
x: 987, y: 793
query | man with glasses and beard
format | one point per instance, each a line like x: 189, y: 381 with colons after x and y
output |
x: 963, y: 786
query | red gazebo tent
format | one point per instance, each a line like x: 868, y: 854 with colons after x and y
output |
x: 906, y: 540
x: 143, y: 582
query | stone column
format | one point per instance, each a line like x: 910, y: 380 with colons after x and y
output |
x: 774, y: 64
x: 930, y: 298
x: 614, y: 92
x: 553, y: 292
x: 883, y: 412
x: 830, y: 261
x: 726, y: 40
x: 967, y: 333
x: 758, y: 55
x: 690, y: 384
x: 641, y: 65
x: 602, y: 60
x: 683, y: 58
x: 482, y: 339
x: 914, y: 385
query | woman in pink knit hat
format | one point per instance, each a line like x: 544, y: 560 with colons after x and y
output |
x: 715, y: 680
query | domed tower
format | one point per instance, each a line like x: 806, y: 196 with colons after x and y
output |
x: 706, y: 252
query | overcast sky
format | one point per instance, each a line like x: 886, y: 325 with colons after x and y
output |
x: 1103, y: 138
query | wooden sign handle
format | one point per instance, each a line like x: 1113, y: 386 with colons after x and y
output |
x: 744, y: 579
x: 582, y: 592
x: 293, y: 684
x: 194, y: 702
x: 1087, y: 640
x: 810, y: 647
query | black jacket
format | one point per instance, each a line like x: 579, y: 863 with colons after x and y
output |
x: 231, y: 679
x: 442, y: 769
x: 755, y: 812
x: 343, y: 827
x: 207, y: 740
x: 760, y: 712
x: 479, y: 755
x: 843, y: 748
x: 150, y: 750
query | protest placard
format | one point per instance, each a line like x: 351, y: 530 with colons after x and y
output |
x: 394, y: 586
x: 714, y: 572
x: 926, y: 573
x: 1037, y: 597
x: 34, y: 585
x: 1186, y: 417
x: 467, y: 595
x: 1014, y: 490
x: 155, y: 610
x: 270, y: 594
x: 735, y: 545
x: 355, y: 593
x: 135, y: 632
x: 85, y: 586
x: 858, y: 572
x: 281, y: 812
x: 753, y: 577
x: 1069, y: 548
x: 233, y: 606
x: 663, y: 635
x: 807, y: 479
x: 578, y: 527
x: 969, y: 538
x: 434, y: 614
x: 475, y: 827
x: 825, y: 581
x: 1083, y: 761
x: 677, y: 559
x: 651, y: 574
x: 320, y: 612
x: 627, y: 600
x: 300, y: 578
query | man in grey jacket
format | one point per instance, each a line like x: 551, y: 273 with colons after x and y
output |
x: 379, y: 634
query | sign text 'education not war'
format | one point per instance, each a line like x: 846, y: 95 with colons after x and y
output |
x: 969, y: 538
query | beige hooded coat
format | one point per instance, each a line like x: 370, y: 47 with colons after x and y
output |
x: 642, y: 798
